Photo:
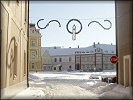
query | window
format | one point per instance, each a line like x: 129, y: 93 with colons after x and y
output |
x: 55, y: 59
x: 106, y: 58
x: 70, y: 59
x: 33, y: 65
x: 77, y: 59
x: 87, y: 51
x: 106, y: 51
x: 17, y: 1
x: 25, y: 17
x: 87, y: 58
x: 83, y: 59
x: 98, y: 58
x: 54, y: 68
x: 98, y: 49
x: 91, y: 51
x: 70, y: 66
x: 15, y: 63
x: 91, y: 58
x: 33, y: 43
x: 33, y: 54
x: 25, y: 63
x: 32, y: 31
x: 112, y: 51
x: 60, y: 59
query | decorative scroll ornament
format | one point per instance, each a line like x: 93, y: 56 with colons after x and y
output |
x: 74, y: 28
x: 101, y: 25
x: 47, y: 23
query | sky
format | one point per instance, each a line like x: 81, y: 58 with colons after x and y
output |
x: 84, y: 11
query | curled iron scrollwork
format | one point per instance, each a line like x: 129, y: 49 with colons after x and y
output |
x: 47, y: 23
x: 102, y: 25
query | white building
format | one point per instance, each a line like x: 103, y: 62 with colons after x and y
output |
x: 97, y: 55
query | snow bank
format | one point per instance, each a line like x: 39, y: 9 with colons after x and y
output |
x: 98, y: 87
x: 108, y: 90
x: 118, y: 92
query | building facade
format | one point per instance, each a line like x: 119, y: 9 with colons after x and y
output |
x: 95, y: 56
x: 46, y: 61
x: 35, y: 62
x: 124, y: 35
x: 14, y: 40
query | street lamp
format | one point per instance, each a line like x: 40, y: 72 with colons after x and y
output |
x: 47, y: 23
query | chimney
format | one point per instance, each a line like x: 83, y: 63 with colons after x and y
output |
x: 94, y: 44
x: 54, y: 47
x: 32, y: 25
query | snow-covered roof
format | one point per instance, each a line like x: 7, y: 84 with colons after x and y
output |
x: 107, y: 49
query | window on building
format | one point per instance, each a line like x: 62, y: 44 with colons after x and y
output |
x: 33, y: 43
x: 83, y: 59
x: 91, y: 51
x: 106, y: 58
x: 70, y: 59
x: 55, y: 59
x: 25, y: 60
x: 91, y: 58
x: 112, y: 51
x: 15, y: 63
x: 106, y: 51
x: 54, y: 68
x: 70, y: 66
x: 77, y: 59
x: 17, y: 1
x: 98, y: 49
x: 87, y: 51
x: 33, y: 54
x: 60, y: 60
x: 33, y: 65
x: 25, y: 16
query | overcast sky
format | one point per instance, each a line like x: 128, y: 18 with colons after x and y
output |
x: 85, y: 11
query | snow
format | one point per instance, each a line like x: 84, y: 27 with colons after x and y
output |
x: 73, y: 85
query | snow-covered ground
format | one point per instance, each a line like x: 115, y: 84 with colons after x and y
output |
x: 73, y: 85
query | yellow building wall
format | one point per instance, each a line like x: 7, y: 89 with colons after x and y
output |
x: 36, y: 37
x: 14, y: 29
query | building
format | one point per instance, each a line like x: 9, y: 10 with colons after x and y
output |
x: 46, y: 61
x: 35, y: 62
x: 124, y: 41
x: 97, y: 55
x: 14, y: 40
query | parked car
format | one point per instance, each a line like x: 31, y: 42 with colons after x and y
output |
x: 69, y: 70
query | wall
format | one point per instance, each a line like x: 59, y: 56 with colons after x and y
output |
x: 14, y: 27
x: 124, y: 42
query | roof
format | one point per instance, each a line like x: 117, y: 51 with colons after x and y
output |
x: 107, y: 49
